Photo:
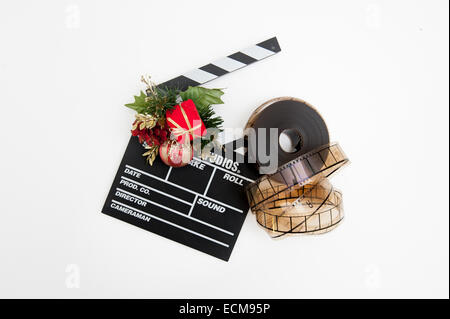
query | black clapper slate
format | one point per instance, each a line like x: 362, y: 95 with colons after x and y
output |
x: 201, y: 205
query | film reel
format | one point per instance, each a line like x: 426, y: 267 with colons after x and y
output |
x: 288, y: 113
x: 298, y: 198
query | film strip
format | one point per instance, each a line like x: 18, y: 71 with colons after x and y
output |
x: 317, y: 209
x: 298, y: 198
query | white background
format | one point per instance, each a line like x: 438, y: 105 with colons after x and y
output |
x: 376, y: 70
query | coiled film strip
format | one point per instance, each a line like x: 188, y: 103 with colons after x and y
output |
x: 298, y: 198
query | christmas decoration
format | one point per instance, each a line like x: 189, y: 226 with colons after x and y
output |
x: 176, y: 154
x: 169, y: 120
x: 185, y: 121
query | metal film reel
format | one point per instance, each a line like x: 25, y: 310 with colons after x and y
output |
x: 298, y: 198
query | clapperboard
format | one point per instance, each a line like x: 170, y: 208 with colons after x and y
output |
x: 201, y: 205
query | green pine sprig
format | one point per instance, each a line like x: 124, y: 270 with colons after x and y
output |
x: 165, y: 99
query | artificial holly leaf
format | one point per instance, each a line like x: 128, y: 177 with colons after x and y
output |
x: 202, y: 97
x: 192, y: 93
x: 140, y: 104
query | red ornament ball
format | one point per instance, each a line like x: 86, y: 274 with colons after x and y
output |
x: 176, y: 154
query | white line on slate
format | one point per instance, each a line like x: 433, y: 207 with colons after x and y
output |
x: 168, y: 173
x: 185, y: 189
x: 193, y: 204
x: 176, y: 212
x: 172, y: 224
x: 209, y: 182
x: 156, y: 190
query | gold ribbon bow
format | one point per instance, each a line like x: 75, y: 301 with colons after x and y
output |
x: 178, y: 130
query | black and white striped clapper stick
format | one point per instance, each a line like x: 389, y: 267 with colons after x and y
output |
x: 225, y: 65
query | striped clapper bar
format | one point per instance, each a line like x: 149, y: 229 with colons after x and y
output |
x: 201, y: 205
x: 225, y: 65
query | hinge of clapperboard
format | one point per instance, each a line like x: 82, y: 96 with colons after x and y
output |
x: 236, y: 149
